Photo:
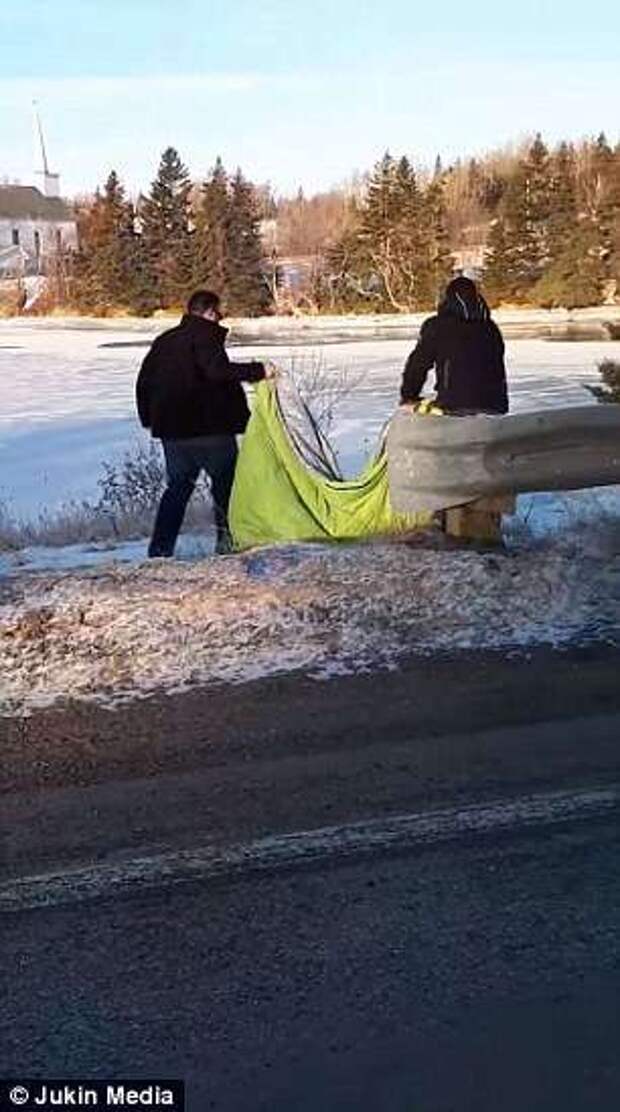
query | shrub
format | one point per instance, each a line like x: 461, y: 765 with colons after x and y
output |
x: 129, y: 493
x: 133, y: 484
x: 609, y: 371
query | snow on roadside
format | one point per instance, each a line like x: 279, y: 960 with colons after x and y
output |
x: 69, y: 557
x: 120, y: 632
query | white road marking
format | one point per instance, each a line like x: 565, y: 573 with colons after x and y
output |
x: 283, y: 851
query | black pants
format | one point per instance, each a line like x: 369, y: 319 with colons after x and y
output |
x: 185, y: 459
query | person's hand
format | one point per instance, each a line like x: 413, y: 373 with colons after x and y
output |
x: 271, y: 370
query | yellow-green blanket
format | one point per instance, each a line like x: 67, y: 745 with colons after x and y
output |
x: 278, y: 497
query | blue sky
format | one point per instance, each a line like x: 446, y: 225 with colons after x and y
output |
x: 295, y: 94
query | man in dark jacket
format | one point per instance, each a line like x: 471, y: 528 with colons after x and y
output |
x: 190, y: 396
x: 466, y: 349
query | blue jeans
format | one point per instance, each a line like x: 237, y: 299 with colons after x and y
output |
x: 185, y: 459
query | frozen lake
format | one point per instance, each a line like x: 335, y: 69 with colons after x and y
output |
x: 67, y: 402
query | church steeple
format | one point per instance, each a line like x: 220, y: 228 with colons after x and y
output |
x: 51, y: 180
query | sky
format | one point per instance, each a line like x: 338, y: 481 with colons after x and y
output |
x: 297, y: 94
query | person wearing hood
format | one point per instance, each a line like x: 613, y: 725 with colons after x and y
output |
x: 189, y: 395
x: 466, y: 349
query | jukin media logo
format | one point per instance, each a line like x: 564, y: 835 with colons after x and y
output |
x: 102, y: 1095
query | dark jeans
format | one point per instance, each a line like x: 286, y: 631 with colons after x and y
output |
x: 185, y: 459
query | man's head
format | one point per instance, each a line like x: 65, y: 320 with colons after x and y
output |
x: 462, y: 287
x: 205, y: 303
x: 461, y: 299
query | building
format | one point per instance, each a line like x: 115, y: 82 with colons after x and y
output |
x: 34, y: 228
x: 470, y: 260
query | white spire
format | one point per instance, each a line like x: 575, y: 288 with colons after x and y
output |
x: 51, y: 181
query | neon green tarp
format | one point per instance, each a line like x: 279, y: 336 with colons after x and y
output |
x: 277, y: 497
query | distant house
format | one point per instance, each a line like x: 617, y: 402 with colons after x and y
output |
x: 34, y: 229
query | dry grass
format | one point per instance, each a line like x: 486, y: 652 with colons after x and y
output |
x: 129, y: 493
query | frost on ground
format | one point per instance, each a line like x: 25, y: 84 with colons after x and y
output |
x: 124, y: 631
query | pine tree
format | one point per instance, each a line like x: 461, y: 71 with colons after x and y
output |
x: 394, y: 235
x: 212, y: 220
x: 410, y: 271
x: 563, y: 209
x: 576, y: 279
x: 246, y: 289
x: 606, y: 206
x: 108, y: 271
x: 439, y: 264
x: 535, y: 180
x: 165, y: 216
x: 498, y: 277
x: 376, y: 231
x: 351, y: 280
x: 142, y: 292
x: 519, y: 240
x: 613, y: 261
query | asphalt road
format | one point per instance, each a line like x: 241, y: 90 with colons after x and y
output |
x: 468, y: 962
x: 479, y: 975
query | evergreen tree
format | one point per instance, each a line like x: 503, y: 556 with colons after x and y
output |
x: 352, y: 283
x: 563, y: 209
x: 499, y: 277
x: 576, y: 278
x: 142, y: 292
x: 606, y: 202
x: 535, y: 180
x: 228, y: 256
x: 109, y: 273
x: 439, y: 264
x: 394, y: 235
x: 519, y: 240
x: 613, y: 261
x: 212, y: 221
x: 376, y: 231
x: 394, y: 255
x: 246, y: 289
x: 165, y: 216
x: 410, y: 251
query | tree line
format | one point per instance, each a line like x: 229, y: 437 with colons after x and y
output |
x: 147, y: 255
x: 543, y: 225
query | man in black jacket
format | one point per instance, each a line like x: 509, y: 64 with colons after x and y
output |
x: 466, y: 349
x: 190, y: 396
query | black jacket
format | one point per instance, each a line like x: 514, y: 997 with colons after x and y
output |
x: 468, y: 357
x: 187, y: 385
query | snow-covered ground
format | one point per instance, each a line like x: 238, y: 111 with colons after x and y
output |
x: 123, y: 632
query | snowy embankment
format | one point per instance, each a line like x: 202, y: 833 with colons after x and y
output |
x: 124, y: 632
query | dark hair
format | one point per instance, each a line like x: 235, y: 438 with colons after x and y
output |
x: 462, y: 287
x: 203, y: 300
x: 462, y: 300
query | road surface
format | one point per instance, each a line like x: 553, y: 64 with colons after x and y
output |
x: 406, y: 899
